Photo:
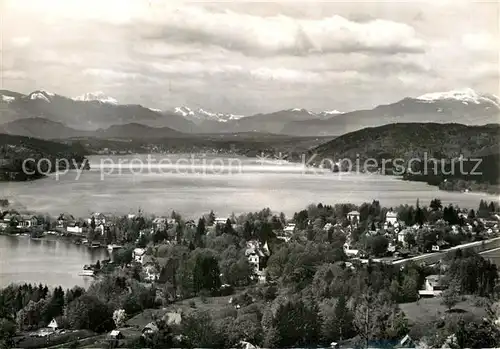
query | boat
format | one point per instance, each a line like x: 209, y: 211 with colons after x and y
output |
x: 95, y: 244
x: 113, y: 247
x: 86, y: 273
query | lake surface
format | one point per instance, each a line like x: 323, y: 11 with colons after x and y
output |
x: 196, y: 184
x: 50, y: 262
x: 191, y: 185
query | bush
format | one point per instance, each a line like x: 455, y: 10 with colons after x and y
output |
x: 204, y: 294
x: 226, y: 290
x: 88, y: 312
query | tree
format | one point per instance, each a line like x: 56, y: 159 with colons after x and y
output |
x: 377, y: 318
x: 211, y: 218
x: 247, y: 231
x: 484, y: 334
x: 228, y: 227
x: 206, y: 273
x: 7, y: 332
x: 123, y: 256
x: 200, y: 232
x: 436, y: 205
x: 55, y: 305
x: 410, y: 239
x: 409, y: 288
x: 451, y: 296
x: 179, y: 234
x: 119, y: 317
x: 471, y: 214
x: 199, y: 329
x: 296, y: 323
x: 419, y: 215
x: 343, y: 319
x: 377, y: 245
x: 88, y: 312
x: 91, y: 234
x: 30, y: 317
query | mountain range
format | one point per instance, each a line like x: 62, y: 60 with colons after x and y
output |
x: 96, y: 113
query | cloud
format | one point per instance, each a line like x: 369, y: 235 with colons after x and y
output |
x: 12, y: 75
x: 110, y: 74
x: 261, y: 36
x: 480, y: 41
x: 252, y: 57
x: 21, y: 41
x: 187, y: 68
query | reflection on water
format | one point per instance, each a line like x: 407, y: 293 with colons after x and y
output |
x: 282, y: 187
x: 51, y: 262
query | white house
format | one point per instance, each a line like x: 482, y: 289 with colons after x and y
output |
x: 220, y: 220
x: 53, y: 325
x: 27, y: 221
x: 402, y: 235
x: 349, y: 251
x: 74, y: 228
x: 151, y: 272
x: 440, y: 245
x: 255, y: 252
x: 353, y: 214
x: 99, y: 218
x: 138, y: 254
x: 391, y: 217
x: 64, y: 220
x: 287, y: 232
x: 433, y: 286
x: 290, y: 228
x: 159, y: 224
x: 149, y: 329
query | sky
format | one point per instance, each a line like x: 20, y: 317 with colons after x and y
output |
x: 249, y: 57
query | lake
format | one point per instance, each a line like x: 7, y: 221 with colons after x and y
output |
x: 46, y: 261
x: 191, y: 185
x: 196, y: 184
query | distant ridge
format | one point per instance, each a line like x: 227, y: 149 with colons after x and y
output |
x: 92, y: 111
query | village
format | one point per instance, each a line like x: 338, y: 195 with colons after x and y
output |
x: 143, y: 245
x: 95, y: 232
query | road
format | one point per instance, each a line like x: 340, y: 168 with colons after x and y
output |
x: 431, y: 258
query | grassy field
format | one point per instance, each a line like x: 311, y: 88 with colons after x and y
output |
x: 53, y: 340
x: 211, y: 304
x: 427, y: 310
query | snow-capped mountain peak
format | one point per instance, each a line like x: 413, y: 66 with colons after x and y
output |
x: 466, y: 95
x: 184, y: 111
x: 301, y: 110
x: 202, y: 114
x: 331, y: 112
x: 97, y: 96
x: 7, y: 99
x: 219, y: 116
x: 41, y: 95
